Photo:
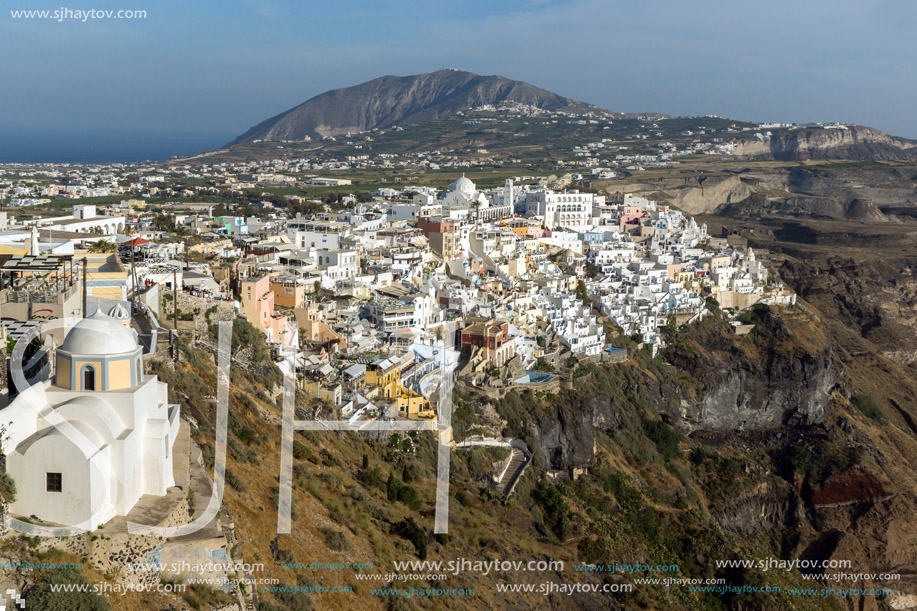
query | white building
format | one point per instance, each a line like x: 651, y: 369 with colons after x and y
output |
x: 567, y: 209
x: 88, y: 446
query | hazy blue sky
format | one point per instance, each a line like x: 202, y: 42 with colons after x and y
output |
x: 219, y: 67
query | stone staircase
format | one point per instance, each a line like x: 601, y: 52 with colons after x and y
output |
x: 514, y: 470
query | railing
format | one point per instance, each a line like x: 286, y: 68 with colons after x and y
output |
x: 38, y: 295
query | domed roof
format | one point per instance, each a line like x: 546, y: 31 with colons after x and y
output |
x: 463, y: 185
x: 99, y: 334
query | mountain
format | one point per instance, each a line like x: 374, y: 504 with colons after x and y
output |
x: 401, y: 100
x: 853, y: 142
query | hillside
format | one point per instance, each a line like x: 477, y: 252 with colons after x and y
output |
x: 403, y: 100
x: 660, y: 474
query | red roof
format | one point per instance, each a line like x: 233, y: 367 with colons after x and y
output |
x: 136, y: 242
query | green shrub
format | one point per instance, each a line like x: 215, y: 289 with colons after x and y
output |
x: 302, y: 452
x: 40, y: 595
x: 868, y: 406
x: 543, y: 365
x: 555, y: 508
x: 664, y: 436
x: 7, y: 489
x: 824, y: 460
x: 409, y: 530
x: 284, y: 556
x: 335, y: 539
x: 202, y: 595
x: 234, y: 482
x: 397, y: 491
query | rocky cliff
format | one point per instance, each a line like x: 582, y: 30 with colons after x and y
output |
x: 867, y: 192
x: 564, y: 438
x: 781, y: 374
x: 855, y: 142
x: 698, y: 194
x: 877, y: 299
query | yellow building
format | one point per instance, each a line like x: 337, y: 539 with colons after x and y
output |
x: 386, y: 376
x: 107, y: 277
x: 411, y: 405
x: 288, y: 294
x: 331, y: 394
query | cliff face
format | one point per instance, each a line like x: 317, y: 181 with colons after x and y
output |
x: 875, y: 298
x: 855, y: 143
x: 773, y: 377
x: 401, y: 100
x: 771, y: 504
x: 790, y: 390
x: 695, y: 194
x: 780, y: 375
x: 564, y: 438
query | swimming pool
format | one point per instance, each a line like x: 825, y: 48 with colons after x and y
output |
x: 534, y: 377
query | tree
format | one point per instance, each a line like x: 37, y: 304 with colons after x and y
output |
x: 477, y: 210
x: 712, y: 304
x: 163, y: 222
x: 102, y: 246
x: 408, y: 529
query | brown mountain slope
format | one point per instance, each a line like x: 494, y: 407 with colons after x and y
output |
x: 401, y: 100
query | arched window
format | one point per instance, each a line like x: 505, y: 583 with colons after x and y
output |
x: 89, y: 377
x: 139, y: 370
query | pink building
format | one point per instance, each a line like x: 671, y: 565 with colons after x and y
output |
x: 631, y: 215
x: 258, y: 307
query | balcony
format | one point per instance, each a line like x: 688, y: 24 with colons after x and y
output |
x: 38, y: 294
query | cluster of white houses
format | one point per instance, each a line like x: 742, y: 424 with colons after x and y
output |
x: 354, y: 300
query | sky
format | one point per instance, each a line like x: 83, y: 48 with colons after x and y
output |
x: 214, y: 68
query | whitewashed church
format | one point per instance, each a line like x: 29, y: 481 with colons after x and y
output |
x: 113, y: 443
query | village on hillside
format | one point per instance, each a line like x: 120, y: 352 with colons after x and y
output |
x: 353, y: 297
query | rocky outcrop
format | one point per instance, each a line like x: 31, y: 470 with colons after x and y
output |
x: 514, y: 368
x: 766, y: 379
x: 870, y: 193
x: 855, y: 485
x: 705, y: 195
x: 564, y: 438
x: 790, y: 390
x: 771, y: 504
x: 876, y: 298
x: 854, y: 142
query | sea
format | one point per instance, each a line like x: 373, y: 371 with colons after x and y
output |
x: 21, y: 145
